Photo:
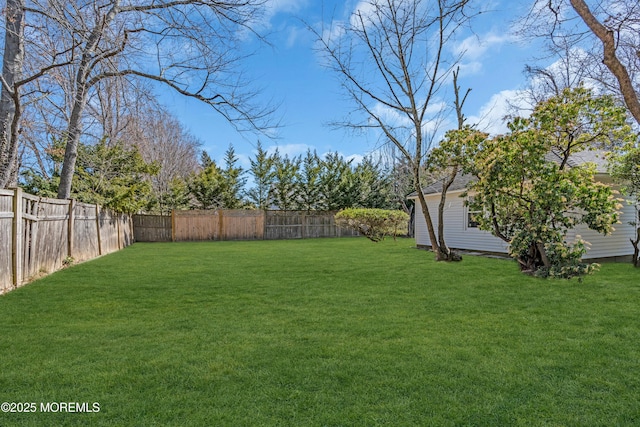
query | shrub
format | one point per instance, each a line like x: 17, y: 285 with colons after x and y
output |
x: 375, y: 224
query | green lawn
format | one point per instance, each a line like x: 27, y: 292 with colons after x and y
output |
x: 320, y: 332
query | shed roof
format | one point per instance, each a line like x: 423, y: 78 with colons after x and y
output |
x: 461, y: 181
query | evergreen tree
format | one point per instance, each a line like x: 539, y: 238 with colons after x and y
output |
x: 374, y: 189
x: 235, y: 180
x: 205, y: 160
x: 262, y: 171
x: 208, y: 187
x: 337, y: 183
x: 284, y: 191
x: 309, y: 188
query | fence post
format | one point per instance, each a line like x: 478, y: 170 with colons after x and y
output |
x: 221, y: 237
x: 70, y: 227
x: 173, y: 225
x: 119, y: 231
x: 131, y: 233
x: 17, y: 238
x: 98, y: 229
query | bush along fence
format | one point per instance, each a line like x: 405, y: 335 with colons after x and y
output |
x: 236, y: 224
x: 44, y: 235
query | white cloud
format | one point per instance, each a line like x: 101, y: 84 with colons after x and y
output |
x: 365, y: 9
x: 271, y: 9
x: 355, y: 159
x: 333, y: 33
x: 275, y: 7
x: 244, y: 161
x: 294, y: 35
x: 390, y: 116
x: 474, y: 48
x: 291, y: 150
x: 491, y: 116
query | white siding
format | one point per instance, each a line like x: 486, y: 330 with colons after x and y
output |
x: 459, y: 236
x: 456, y: 233
x: 612, y: 245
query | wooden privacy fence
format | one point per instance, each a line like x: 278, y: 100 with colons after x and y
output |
x: 40, y: 235
x: 236, y: 224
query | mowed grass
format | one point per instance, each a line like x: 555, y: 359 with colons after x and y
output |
x: 335, y: 332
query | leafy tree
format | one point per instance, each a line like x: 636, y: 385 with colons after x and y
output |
x: 455, y: 152
x: 531, y: 195
x: 337, y: 181
x: 110, y: 175
x: 262, y: 171
x: 375, y: 224
x: 205, y: 159
x: 233, y: 174
x: 309, y: 188
x: 176, y: 197
x: 374, y: 185
x: 208, y: 187
x: 284, y: 191
x: 114, y: 176
x: 625, y: 168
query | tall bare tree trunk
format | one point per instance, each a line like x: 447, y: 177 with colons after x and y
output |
x: 82, y: 86
x: 444, y: 249
x: 610, y: 59
x: 435, y: 246
x: 74, y: 130
x: 9, y: 98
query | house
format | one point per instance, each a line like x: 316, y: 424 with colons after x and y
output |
x: 461, y: 232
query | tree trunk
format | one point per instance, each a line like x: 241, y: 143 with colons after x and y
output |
x: 83, y: 85
x: 9, y: 98
x: 444, y: 249
x: 610, y: 59
x: 73, y: 140
x: 435, y: 247
x: 636, y: 249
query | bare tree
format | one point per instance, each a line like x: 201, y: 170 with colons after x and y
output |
x: 607, y: 31
x: 392, y: 62
x: 190, y: 46
x: 163, y: 140
x: 23, y: 61
x: 448, y: 159
x: 9, y: 92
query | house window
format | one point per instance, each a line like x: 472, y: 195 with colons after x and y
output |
x: 471, y: 223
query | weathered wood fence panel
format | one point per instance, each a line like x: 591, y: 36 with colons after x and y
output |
x: 116, y: 231
x: 152, y: 228
x: 237, y: 224
x: 40, y: 234
x: 303, y: 225
x: 283, y: 225
x: 85, y: 242
x: 6, y: 237
x: 195, y: 225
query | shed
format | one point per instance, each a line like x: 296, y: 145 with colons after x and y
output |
x: 462, y: 233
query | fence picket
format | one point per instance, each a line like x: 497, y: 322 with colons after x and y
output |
x: 43, y: 232
x: 236, y: 224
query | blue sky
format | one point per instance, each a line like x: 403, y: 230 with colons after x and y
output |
x: 291, y: 75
